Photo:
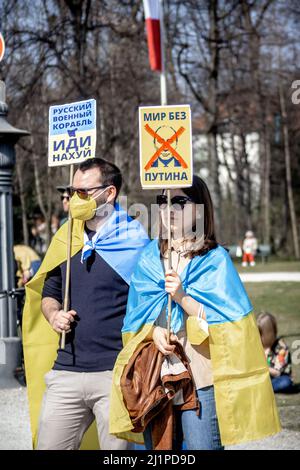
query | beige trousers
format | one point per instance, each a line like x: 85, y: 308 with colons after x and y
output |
x: 71, y: 403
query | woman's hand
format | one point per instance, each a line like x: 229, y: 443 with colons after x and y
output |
x: 173, y: 286
x: 160, y: 340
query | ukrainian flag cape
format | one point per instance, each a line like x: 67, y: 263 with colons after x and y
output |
x: 244, y: 396
x: 40, y: 341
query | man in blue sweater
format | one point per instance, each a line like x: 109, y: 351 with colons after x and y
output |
x: 78, y: 386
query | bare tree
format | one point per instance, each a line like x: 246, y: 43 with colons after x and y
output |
x: 219, y: 59
x: 288, y: 174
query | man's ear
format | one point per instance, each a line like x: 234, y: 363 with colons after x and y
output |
x: 112, y: 194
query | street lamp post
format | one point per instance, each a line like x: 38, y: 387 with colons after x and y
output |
x: 10, y: 344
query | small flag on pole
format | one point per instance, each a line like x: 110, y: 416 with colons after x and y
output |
x: 2, y: 47
x: 152, y: 17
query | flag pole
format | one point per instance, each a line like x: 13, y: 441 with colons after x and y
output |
x: 163, y: 101
x: 68, y: 267
x: 163, y: 81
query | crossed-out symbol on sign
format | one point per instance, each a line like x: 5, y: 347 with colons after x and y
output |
x: 166, y: 144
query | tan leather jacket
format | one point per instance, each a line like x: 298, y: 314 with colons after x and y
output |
x: 148, y: 396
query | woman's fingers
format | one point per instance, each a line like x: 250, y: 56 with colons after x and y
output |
x: 166, y: 350
x: 160, y: 340
x: 173, y: 338
x: 174, y: 278
x: 172, y: 281
x: 169, y: 347
x: 171, y: 272
x: 165, y: 347
x: 170, y: 289
x: 170, y: 286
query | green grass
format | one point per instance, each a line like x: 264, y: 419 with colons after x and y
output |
x: 283, y: 301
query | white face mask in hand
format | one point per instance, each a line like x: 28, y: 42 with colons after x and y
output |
x: 197, y: 328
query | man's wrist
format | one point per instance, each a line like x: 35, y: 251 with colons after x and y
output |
x: 52, y: 316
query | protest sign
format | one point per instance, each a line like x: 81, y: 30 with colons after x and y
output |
x: 165, y: 146
x: 72, y: 133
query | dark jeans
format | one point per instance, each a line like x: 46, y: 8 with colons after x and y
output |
x: 198, y: 432
x: 283, y: 383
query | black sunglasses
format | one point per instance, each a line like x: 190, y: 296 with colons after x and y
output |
x: 86, y: 191
x: 162, y: 200
x: 64, y: 197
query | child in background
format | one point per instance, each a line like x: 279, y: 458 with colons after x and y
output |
x: 249, y: 249
x: 27, y: 263
x: 277, y: 353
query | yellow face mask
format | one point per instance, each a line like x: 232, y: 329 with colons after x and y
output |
x: 196, y: 330
x: 82, y: 209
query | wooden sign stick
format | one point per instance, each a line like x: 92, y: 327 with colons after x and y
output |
x: 169, y: 265
x: 68, y: 270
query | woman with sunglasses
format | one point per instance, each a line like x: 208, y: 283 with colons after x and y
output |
x: 188, y: 207
x: 211, y: 318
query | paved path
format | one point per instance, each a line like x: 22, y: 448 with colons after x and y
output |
x: 14, y: 419
x: 285, y: 440
x: 271, y: 277
x: 15, y: 431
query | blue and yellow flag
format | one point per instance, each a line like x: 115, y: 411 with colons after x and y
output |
x: 120, y: 245
x: 245, y: 402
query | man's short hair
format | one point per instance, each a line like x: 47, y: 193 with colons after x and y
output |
x: 110, y: 173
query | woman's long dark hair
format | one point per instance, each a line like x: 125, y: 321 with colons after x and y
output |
x: 199, y: 194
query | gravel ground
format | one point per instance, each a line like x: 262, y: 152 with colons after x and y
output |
x: 15, y: 431
x: 285, y: 440
x: 14, y: 419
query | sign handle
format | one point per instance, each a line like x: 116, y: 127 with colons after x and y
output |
x: 68, y: 270
x: 169, y: 266
x: 163, y: 99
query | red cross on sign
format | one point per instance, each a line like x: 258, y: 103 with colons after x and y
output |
x: 166, y: 144
x: 165, y: 147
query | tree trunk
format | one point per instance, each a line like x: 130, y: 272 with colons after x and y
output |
x: 267, y: 194
x: 213, y: 108
x: 288, y: 174
x: 44, y: 210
